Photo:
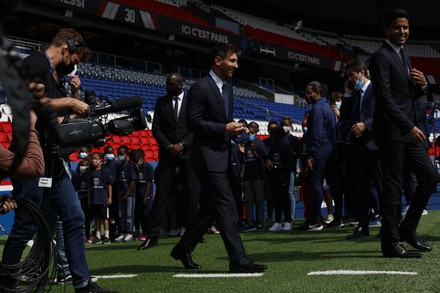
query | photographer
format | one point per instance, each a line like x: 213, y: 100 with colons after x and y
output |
x: 66, y: 50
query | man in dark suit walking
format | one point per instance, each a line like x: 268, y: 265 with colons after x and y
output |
x: 396, y: 85
x: 209, y: 115
x: 175, y: 142
x: 363, y: 155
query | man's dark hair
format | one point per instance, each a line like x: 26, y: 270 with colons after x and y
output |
x: 393, y: 14
x: 319, y: 88
x: 65, y: 34
x: 356, y: 66
x: 222, y: 51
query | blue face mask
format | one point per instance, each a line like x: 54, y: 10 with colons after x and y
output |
x: 82, y: 155
x: 251, y: 137
x: 109, y: 157
x: 121, y: 158
x: 358, y: 85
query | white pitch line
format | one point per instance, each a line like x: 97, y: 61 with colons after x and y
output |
x: 243, y: 275
x: 349, y: 272
x: 117, y: 276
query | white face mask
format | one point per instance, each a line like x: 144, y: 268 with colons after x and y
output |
x: 83, y: 169
x: 338, y: 104
x: 286, y: 129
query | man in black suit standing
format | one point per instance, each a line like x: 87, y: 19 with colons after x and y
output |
x: 209, y: 115
x: 363, y: 155
x: 400, y: 141
x: 175, y: 142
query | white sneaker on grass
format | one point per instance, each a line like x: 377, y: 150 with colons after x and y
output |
x: 314, y: 228
x: 287, y: 226
x: 120, y: 238
x: 276, y: 227
x: 128, y: 238
x: 329, y: 219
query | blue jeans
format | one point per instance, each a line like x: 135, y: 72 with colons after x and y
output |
x: 62, y: 262
x: 67, y: 206
x: 126, y: 215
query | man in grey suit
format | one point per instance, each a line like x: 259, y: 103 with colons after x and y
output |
x: 397, y: 85
x: 209, y: 115
x: 175, y: 142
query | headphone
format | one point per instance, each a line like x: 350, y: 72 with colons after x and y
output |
x: 73, y: 45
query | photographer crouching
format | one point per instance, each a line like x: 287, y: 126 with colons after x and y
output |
x: 66, y: 50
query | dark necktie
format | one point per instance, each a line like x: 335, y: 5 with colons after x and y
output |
x: 402, y: 57
x: 225, y: 99
x: 176, y: 107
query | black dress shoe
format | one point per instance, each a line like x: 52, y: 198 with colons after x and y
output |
x: 359, y: 232
x: 245, y: 265
x: 413, y: 240
x: 147, y: 244
x: 396, y: 250
x: 185, y: 257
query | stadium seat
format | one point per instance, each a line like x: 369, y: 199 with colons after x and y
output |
x: 6, y: 127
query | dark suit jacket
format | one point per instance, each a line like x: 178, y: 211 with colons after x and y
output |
x: 207, y: 119
x: 364, y: 115
x: 395, y: 93
x: 166, y: 130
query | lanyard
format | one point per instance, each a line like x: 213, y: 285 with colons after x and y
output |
x: 48, y: 61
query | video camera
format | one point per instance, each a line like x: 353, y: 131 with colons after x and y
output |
x: 73, y: 133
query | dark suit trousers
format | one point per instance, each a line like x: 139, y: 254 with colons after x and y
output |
x: 394, y: 156
x: 165, y: 174
x: 216, y: 202
x: 325, y: 168
x: 365, y: 168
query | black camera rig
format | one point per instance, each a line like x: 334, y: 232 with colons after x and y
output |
x: 73, y: 133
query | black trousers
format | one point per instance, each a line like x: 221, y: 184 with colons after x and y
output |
x: 394, y: 156
x: 164, y: 177
x: 365, y: 168
x: 216, y: 202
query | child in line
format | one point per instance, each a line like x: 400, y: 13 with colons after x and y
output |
x: 100, y: 196
x: 126, y: 178
x: 144, y: 192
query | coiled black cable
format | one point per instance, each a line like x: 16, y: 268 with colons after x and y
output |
x: 33, y: 273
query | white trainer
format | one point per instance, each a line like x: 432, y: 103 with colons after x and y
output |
x: 276, y: 227
x: 329, y: 219
x: 287, y: 226
x: 128, y: 238
x: 120, y: 238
